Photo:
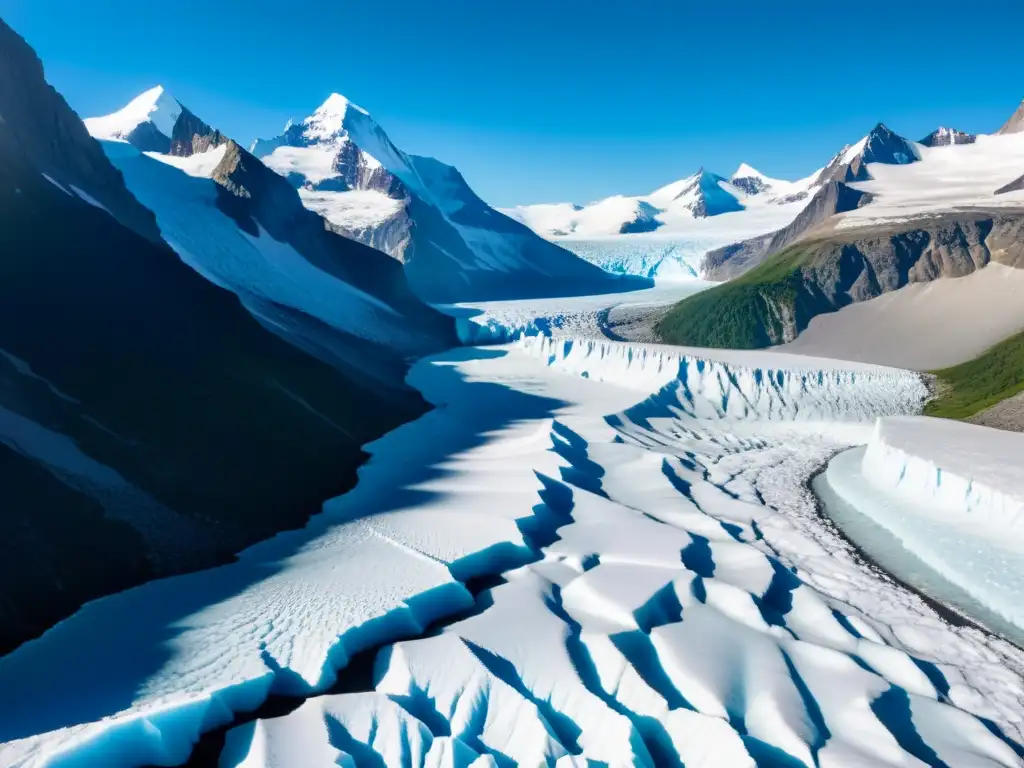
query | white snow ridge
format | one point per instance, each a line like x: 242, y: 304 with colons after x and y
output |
x: 155, y: 106
x: 668, y: 595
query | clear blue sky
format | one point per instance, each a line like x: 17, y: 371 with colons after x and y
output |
x: 554, y: 100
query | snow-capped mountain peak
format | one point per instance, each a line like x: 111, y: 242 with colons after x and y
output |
x: 154, y: 121
x: 880, y: 145
x: 747, y: 172
x: 329, y: 119
x: 416, y: 209
x: 884, y: 146
x: 155, y: 106
x: 752, y: 181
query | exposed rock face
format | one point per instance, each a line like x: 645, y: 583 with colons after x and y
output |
x: 749, y: 184
x: 357, y: 171
x: 422, y: 212
x: 733, y: 260
x: 1013, y: 186
x: 1016, y: 122
x: 38, y: 125
x: 944, y: 137
x: 146, y: 138
x: 774, y: 303
x: 190, y: 136
x: 254, y: 194
x: 149, y: 424
x: 839, y: 271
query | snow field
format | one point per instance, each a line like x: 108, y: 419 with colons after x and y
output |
x: 669, y: 596
x: 961, y: 176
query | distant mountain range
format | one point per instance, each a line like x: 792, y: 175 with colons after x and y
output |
x: 668, y: 209
x: 887, y: 212
x: 715, y: 228
x: 416, y: 209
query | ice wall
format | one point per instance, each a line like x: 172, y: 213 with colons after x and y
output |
x: 734, y: 384
x: 966, y: 474
x: 952, y: 496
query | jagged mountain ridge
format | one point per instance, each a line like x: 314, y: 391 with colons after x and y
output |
x: 851, y: 166
x: 421, y: 211
x: 155, y: 121
x: 255, y: 223
x: 944, y: 137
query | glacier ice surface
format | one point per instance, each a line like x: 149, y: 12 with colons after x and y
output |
x: 669, y: 595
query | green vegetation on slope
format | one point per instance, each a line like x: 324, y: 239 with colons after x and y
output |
x: 740, y: 314
x: 971, y: 387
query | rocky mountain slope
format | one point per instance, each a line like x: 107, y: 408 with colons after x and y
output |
x: 422, y: 212
x: 923, y: 213
x: 832, y: 195
x: 1016, y: 122
x: 246, y: 228
x: 944, y: 137
x: 733, y: 260
x: 149, y: 422
x: 774, y: 302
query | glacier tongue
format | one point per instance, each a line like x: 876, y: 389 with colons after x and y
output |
x: 668, y: 596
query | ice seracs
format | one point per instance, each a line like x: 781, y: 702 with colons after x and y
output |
x: 668, y: 593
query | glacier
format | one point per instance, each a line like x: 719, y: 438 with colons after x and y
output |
x: 950, y: 493
x: 567, y: 317
x: 631, y: 507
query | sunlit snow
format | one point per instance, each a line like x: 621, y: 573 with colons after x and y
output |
x: 155, y: 106
x: 670, y: 595
x: 955, y: 177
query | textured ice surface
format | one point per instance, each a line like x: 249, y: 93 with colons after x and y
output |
x: 578, y: 317
x: 669, y: 594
